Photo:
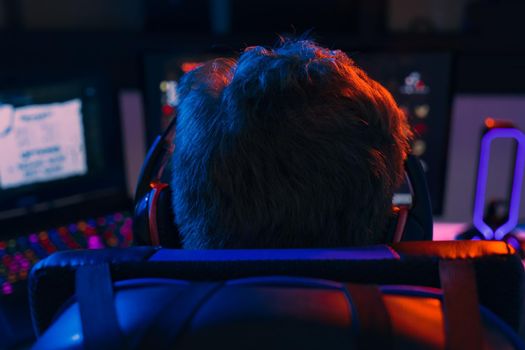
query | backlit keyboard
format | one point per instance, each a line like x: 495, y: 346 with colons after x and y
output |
x: 18, y: 255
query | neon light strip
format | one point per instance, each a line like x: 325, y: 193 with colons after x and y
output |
x: 479, y: 205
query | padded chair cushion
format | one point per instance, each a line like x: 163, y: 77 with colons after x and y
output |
x: 498, y: 268
x: 268, y: 313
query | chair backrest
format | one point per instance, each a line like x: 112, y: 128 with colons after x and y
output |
x: 499, y: 271
x: 271, y: 313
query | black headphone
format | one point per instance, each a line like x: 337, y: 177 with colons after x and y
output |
x: 154, y: 222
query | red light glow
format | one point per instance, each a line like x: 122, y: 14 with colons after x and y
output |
x: 167, y: 110
x: 490, y: 123
x: 189, y: 66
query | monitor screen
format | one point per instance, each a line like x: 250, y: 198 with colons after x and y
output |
x: 420, y: 83
x: 46, y: 142
x: 60, y: 146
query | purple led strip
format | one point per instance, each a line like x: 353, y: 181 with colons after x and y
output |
x: 479, y: 205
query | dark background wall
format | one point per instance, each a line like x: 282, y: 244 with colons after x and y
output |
x: 61, y: 37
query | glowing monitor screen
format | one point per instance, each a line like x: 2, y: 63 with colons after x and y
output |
x: 59, y: 147
x: 41, y: 143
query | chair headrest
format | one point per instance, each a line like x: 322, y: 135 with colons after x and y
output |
x: 499, y: 269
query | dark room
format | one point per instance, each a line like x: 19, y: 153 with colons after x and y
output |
x: 262, y: 174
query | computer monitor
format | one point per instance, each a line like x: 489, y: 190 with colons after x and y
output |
x: 420, y: 83
x: 60, y: 146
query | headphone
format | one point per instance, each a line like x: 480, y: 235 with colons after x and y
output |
x: 154, y: 221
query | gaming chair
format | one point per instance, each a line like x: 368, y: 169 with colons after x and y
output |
x: 384, y: 296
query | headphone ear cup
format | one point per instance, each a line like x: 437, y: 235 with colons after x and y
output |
x: 402, y: 227
x: 167, y: 230
x: 390, y: 228
x: 414, y: 231
x: 141, y: 234
x: 419, y: 223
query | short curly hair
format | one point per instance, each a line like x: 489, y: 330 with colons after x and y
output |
x: 287, y: 147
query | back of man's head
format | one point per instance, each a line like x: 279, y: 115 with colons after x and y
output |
x: 288, y: 147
